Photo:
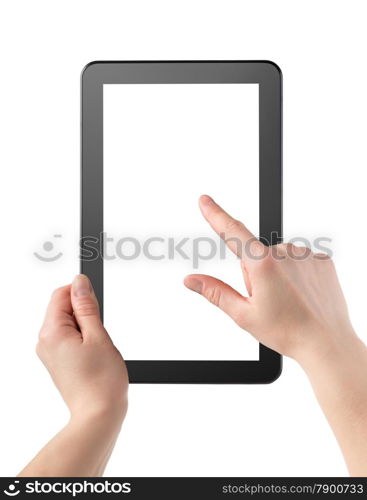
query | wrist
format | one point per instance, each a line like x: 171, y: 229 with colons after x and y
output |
x: 102, y: 415
x: 330, y: 349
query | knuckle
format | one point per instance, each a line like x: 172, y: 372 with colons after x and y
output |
x: 38, y: 349
x: 300, y: 252
x: 213, y: 295
x: 323, y: 257
x: 266, y: 261
x: 86, y: 307
x: 255, y: 250
x: 57, y: 292
x: 302, y: 249
x: 41, y: 347
x: 44, y: 338
x: 233, y: 225
x: 286, y: 245
x: 265, y: 267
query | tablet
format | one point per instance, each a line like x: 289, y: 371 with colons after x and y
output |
x: 155, y: 136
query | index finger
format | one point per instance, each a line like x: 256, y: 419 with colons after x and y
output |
x: 232, y: 231
x: 59, y: 306
x: 59, y: 314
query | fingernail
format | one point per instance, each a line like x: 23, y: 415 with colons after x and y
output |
x: 194, y: 285
x: 206, y: 199
x: 81, y: 286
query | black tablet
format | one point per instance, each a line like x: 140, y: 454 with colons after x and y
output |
x: 155, y: 136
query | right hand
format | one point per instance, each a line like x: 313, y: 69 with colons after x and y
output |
x: 295, y: 305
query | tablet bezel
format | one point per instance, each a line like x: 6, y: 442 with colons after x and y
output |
x: 268, y: 76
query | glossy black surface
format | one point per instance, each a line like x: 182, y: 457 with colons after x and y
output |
x: 268, y: 76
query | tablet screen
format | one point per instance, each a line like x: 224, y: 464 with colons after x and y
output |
x: 164, y: 146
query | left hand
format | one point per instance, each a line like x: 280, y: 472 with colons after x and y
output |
x: 80, y: 356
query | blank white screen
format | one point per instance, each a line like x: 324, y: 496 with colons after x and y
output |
x: 164, y: 145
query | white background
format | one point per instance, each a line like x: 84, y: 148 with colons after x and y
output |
x: 275, y: 429
x: 164, y: 145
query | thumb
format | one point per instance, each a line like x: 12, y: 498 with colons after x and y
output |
x: 85, y: 305
x: 221, y: 295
